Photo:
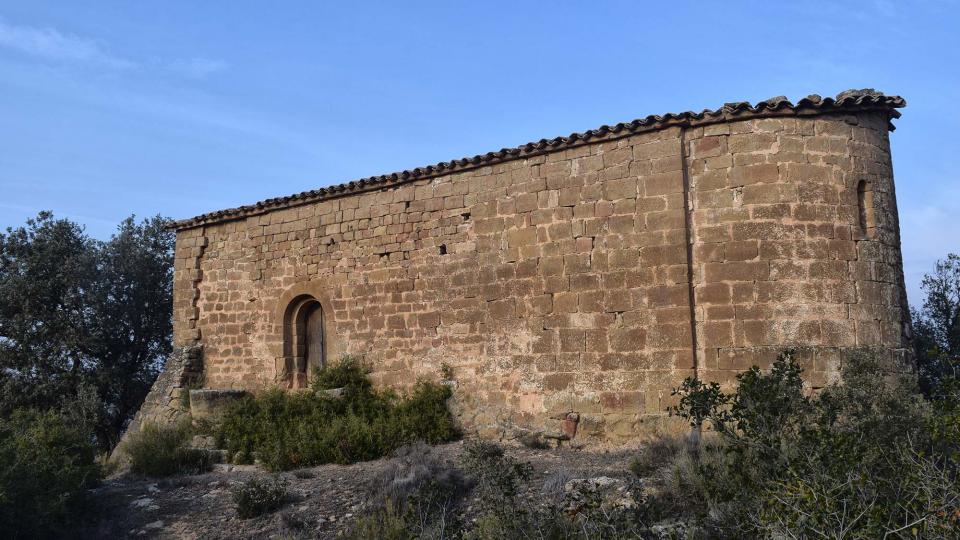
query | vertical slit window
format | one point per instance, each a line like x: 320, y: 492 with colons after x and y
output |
x: 868, y: 223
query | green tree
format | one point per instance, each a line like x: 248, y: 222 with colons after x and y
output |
x: 82, y: 319
x: 46, y: 270
x: 131, y: 301
x: 937, y: 323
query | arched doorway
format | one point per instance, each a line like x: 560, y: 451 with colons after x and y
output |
x: 304, y: 340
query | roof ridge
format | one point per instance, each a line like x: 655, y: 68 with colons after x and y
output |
x: 848, y: 100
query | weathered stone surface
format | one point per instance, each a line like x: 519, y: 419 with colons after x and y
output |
x: 166, y: 402
x: 589, y: 279
x: 206, y: 442
x: 609, y: 494
x: 207, y: 402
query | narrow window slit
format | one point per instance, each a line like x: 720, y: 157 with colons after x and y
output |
x: 867, y: 217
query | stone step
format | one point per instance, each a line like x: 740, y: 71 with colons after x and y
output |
x: 207, y: 402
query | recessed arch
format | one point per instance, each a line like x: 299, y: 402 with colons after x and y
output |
x: 281, y: 340
x: 304, y: 340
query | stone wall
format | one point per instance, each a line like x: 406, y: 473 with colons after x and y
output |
x: 779, y: 255
x: 590, y: 279
x: 166, y: 403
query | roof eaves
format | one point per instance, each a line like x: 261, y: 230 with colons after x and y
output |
x: 848, y: 101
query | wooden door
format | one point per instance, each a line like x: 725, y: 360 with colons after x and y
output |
x: 313, y: 338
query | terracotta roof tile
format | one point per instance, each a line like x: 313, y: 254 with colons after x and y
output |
x: 850, y: 100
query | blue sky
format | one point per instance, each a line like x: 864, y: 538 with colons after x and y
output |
x: 179, y: 108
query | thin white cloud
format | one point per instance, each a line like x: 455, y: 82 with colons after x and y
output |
x: 197, y: 67
x: 52, y: 44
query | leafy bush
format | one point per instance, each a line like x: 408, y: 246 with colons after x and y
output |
x: 48, y: 463
x: 257, y: 497
x: 162, y: 451
x: 348, y: 374
x: 290, y: 430
x: 867, y: 458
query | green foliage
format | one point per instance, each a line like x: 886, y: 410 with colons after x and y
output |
x: 257, y: 497
x: 79, y: 313
x: 386, y: 523
x: 944, y: 424
x: 863, y: 459
x: 348, y: 374
x: 291, y: 430
x: 162, y: 451
x: 48, y: 462
x: 937, y: 324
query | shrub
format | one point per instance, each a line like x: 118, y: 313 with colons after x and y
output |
x: 257, y: 497
x: 48, y: 463
x: 161, y: 451
x: 866, y: 458
x: 944, y: 424
x: 499, y: 477
x: 416, y: 472
x: 348, y: 374
x: 383, y: 524
x: 504, y: 513
x: 697, y: 485
x: 290, y: 430
x: 581, y: 513
x: 655, y: 454
x: 414, y: 497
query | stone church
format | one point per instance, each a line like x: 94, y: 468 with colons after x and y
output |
x: 575, y: 279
